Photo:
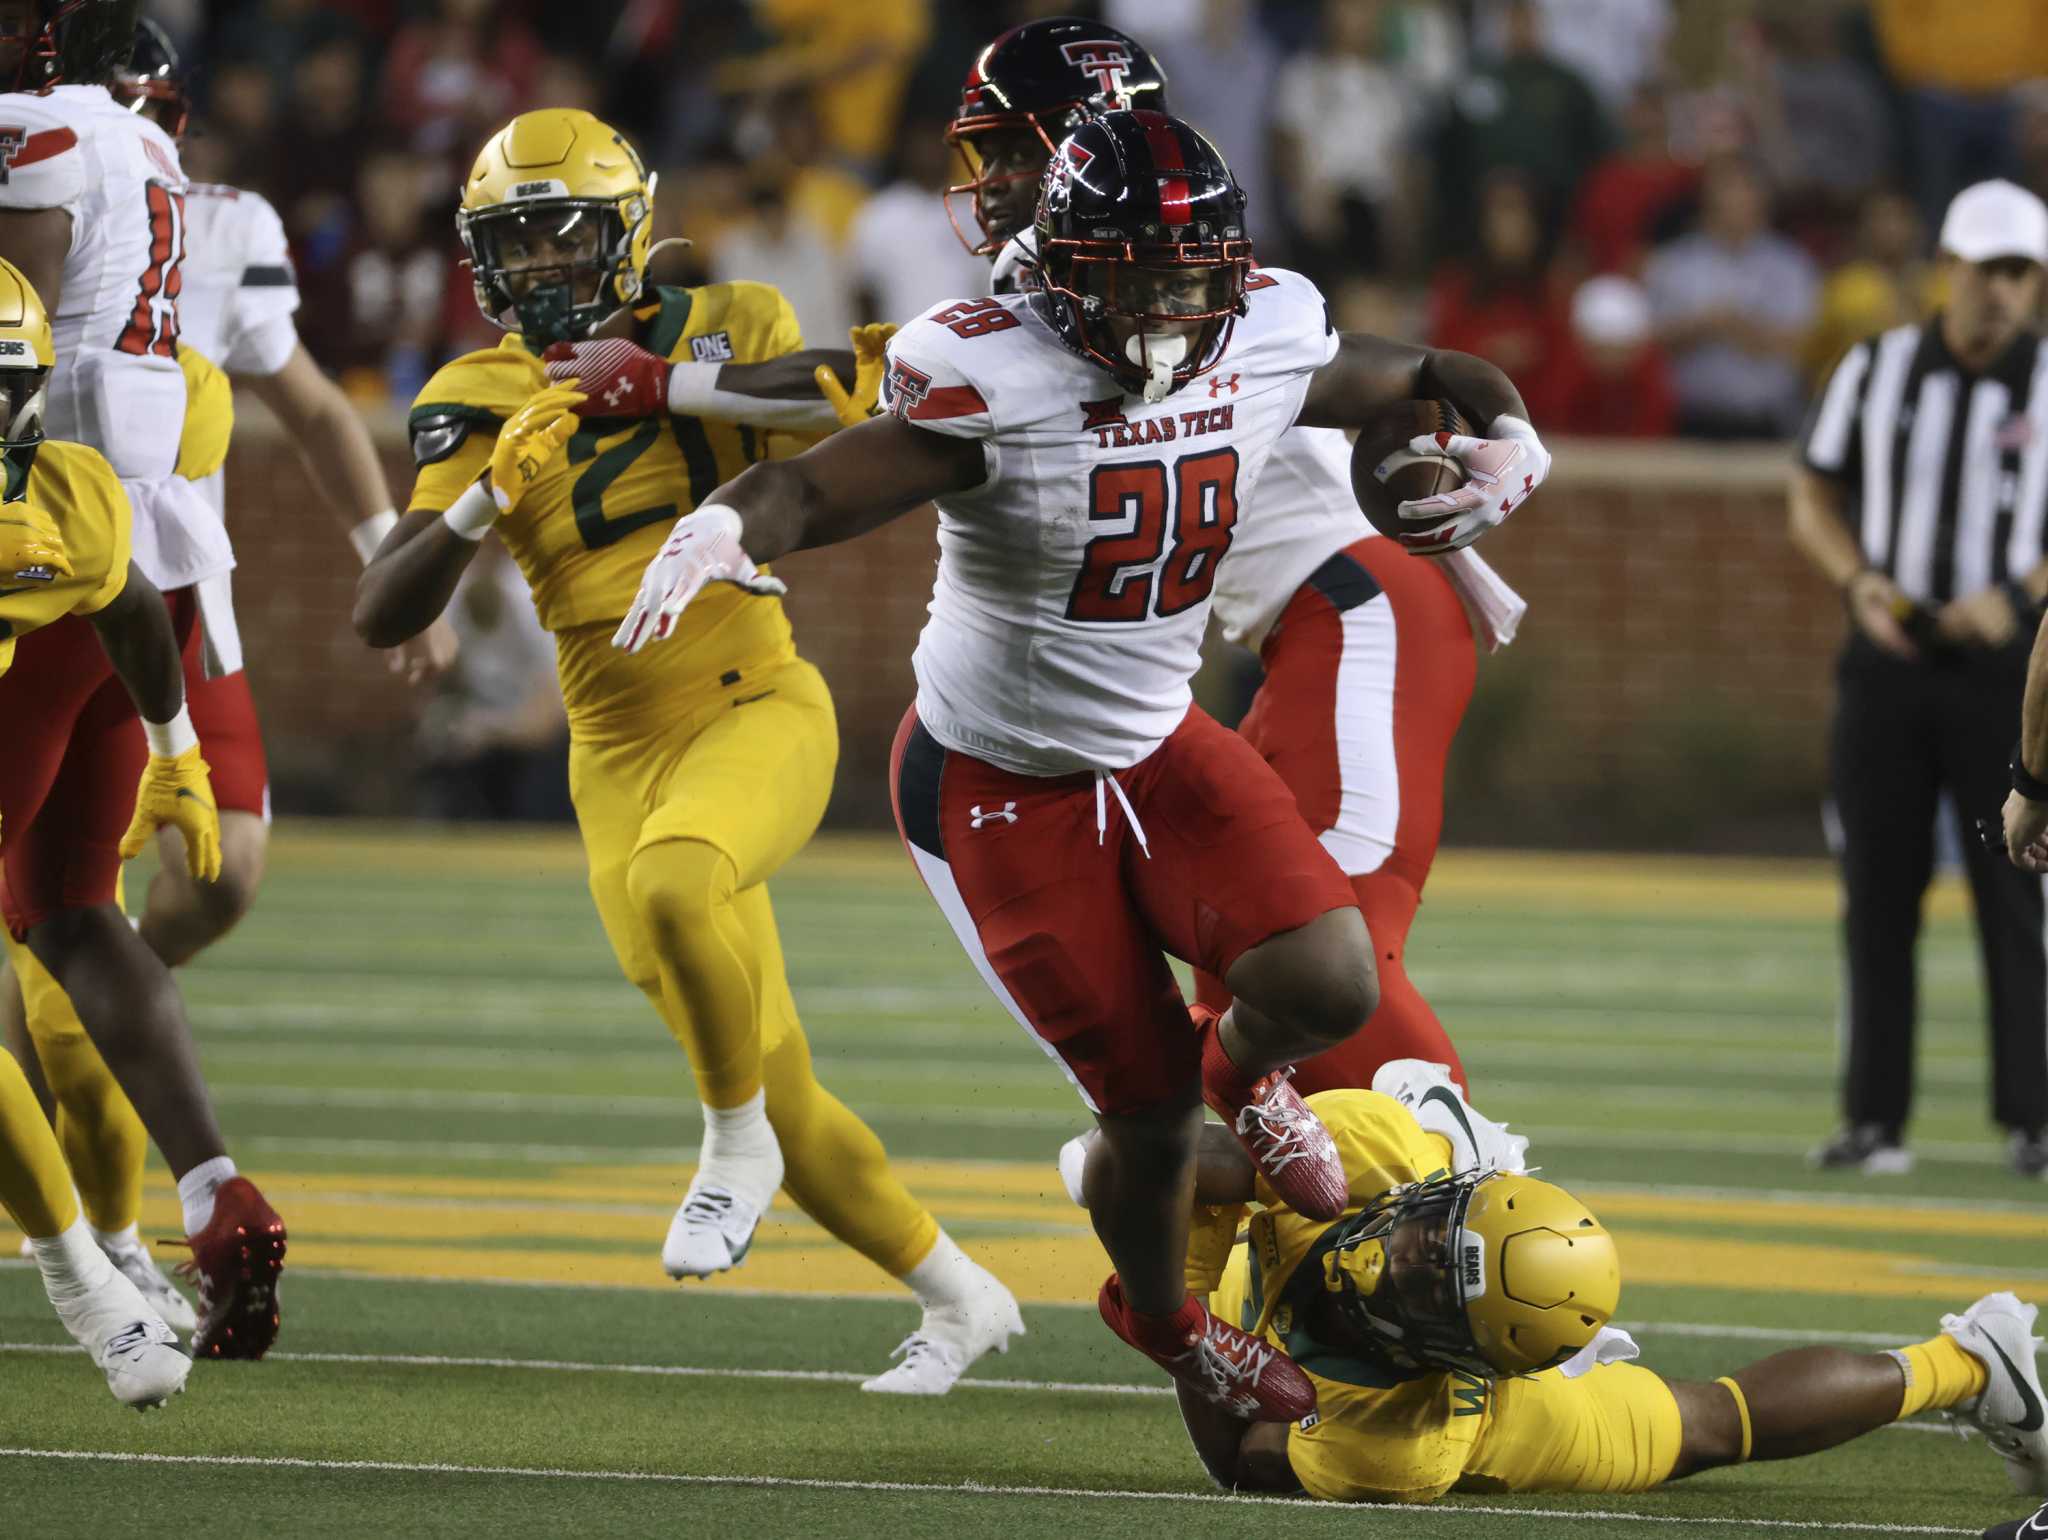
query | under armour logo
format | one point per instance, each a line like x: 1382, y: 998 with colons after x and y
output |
x: 617, y: 393
x: 1007, y: 813
x: 1219, y: 383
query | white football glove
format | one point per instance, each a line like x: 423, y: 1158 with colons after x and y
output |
x: 704, y: 547
x: 1427, y: 1090
x: 1501, y: 472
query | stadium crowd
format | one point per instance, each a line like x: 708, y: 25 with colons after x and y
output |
x: 1660, y: 218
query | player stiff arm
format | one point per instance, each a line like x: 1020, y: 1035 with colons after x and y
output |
x: 698, y: 773
x: 1069, y: 651
x: 1435, y: 1371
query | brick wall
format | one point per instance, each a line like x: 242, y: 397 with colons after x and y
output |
x: 1670, y: 687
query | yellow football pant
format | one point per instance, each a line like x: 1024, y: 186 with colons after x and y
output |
x: 685, y: 814
x: 35, y: 1189
x: 98, y: 1130
x: 1615, y: 1428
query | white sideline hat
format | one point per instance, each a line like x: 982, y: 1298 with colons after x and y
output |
x: 1996, y: 219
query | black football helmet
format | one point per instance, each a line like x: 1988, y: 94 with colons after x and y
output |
x: 1142, y: 249
x: 1041, y: 81
x: 70, y: 42
x: 152, y: 76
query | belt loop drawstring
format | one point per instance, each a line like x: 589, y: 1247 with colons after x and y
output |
x: 1122, y: 801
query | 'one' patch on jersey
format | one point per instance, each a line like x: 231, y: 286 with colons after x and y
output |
x: 712, y: 348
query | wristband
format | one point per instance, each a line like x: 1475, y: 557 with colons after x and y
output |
x: 2024, y: 781
x: 369, y: 534
x: 472, y: 514
x: 167, y: 740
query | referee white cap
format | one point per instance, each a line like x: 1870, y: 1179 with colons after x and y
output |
x: 1996, y: 219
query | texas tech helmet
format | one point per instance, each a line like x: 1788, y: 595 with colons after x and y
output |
x: 152, y: 82
x: 69, y: 42
x: 1042, y: 79
x: 1142, y: 247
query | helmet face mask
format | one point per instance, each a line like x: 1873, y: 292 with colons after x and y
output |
x: 1132, y: 314
x: 21, y: 426
x: 546, y: 263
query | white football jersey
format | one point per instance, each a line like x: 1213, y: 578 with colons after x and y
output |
x: 1074, y: 583
x: 117, y: 385
x: 240, y: 292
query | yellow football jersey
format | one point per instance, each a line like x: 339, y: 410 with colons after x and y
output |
x: 78, y: 489
x: 585, y: 532
x: 1379, y: 1433
x: 209, y: 416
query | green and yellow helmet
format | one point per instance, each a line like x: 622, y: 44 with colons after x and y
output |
x: 1490, y: 1273
x: 27, y: 354
x: 556, y: 195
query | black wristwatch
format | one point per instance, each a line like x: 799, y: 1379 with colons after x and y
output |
x: 2024, y: 781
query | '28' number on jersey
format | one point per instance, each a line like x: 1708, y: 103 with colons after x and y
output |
x: 1189, y: 513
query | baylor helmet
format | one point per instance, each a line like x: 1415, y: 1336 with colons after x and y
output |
x: 27, y: 354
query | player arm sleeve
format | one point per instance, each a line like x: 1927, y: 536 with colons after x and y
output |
x: 451, y: 445
x: 1831, y: 443
x: 261, y: 333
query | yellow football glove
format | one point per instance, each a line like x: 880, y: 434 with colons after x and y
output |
x: 177, y: 792
x: 870, y: 360
x: 29, y: 538
x: 530, y: 441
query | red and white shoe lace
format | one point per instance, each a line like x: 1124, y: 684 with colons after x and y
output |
x: 1245, y: 1375
x: 1292, y: 1149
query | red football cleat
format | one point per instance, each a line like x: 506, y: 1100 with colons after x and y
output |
x: 235, y: 1263
x: 1245, y: 1375
x: 1286, y: 1141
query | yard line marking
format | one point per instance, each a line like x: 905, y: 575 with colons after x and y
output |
x: 1401, y: 1516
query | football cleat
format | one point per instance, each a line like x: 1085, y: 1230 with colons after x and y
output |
x: 931, y: 1359
x: 134, y: 1349
x: 1289, y: 1145
x: 1245, y: 1375
x: 1867, y: 1147
x: 2030, y: 1153
x: 1998, y: 1331
x: 136, y: 1265
x: 711, y: 1232
x: 2034, y: 1527
x: 235, y: 1264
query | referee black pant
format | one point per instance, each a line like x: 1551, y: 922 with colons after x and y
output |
x: 1904, y: 732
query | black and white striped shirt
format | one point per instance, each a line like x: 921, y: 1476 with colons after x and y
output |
x: 1947, y: 472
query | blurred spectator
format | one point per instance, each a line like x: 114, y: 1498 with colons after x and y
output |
x: 318, y: 145
x: 1614, y: 45
x: 1733, y: 304
x: 1612, y: 381
x: 789, y: 147
x: 230, y: 141
x: 2030, y: 136
x: 775, y: 244
x: 701, y: 204
x: 1887, y: 282
x: 1340, y: 122
x: 1629, y: 195
x: 1421, y: 40
x: 374, y: 315
x: 904, y: 253
x: 1500, y: 304
x: 851, y: 61
x: 1523, y: 111
x: 1956, y: 63
x: 495, y: 739
x: 1821, y: 123
x: 456, y: 73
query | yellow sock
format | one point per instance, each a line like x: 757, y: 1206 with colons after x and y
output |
x: 98, y: 1129
x: 684, y: 891
x: 35, y: 1188
x: 1940, y: 1373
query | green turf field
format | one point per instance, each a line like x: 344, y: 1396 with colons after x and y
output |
x: 477, y: 1133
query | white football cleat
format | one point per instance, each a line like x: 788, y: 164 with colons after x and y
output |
x: 136, y: 1265
x: 28, y: 1250
x: 1998, y: 1331
x: 711, y: 1232
x: 1427, y: 1090
x: 129, y: 1341
x: 931, y: 1359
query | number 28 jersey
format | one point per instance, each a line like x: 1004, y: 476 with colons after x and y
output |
x: 1074, y: 583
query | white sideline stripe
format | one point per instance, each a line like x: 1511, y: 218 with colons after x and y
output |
x: 1402, y: 1515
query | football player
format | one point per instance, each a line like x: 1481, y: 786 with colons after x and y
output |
x: 235, y: 305
x: 1067, y: 806
x: 696, y: 772
x: 85, y: 642
x: 1369, y: 651
x: 1454, y: 1322
x: 91, y: 211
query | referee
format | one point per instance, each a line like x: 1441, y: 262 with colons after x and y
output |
x: 1921, y: 494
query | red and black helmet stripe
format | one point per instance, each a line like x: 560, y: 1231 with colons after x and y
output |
x: 1162, y: 140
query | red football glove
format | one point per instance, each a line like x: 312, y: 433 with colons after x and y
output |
x: 620, y: 378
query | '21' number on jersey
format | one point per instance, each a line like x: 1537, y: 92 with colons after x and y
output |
x: 1189, y: 513
x: 153, y: 323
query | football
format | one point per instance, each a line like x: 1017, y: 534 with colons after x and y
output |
x: 1386, y: 473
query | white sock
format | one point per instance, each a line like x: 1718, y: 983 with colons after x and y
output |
x: 196, y: 1188
x: 739, y: 1141
x: 946, y: 1279
x: 117, y: 1240
x: 72, y: 1263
